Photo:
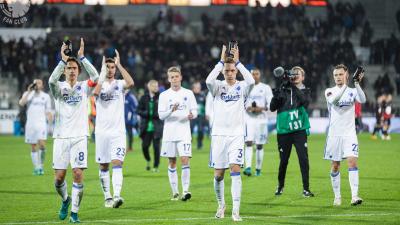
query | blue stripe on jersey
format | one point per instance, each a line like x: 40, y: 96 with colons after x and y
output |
x: 353, y: 169
x: 235, y: 174
x: 210, y: 157
x: 327, y: 132
x: 333, y: 174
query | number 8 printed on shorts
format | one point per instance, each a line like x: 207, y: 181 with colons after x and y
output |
x: 81, y: 156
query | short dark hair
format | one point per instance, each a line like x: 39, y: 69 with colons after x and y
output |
x: 110, y: 60
x: 229, y: 60
x: 73, y: 59
x: 341, y: 66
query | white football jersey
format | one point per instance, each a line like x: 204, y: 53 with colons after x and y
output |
x: 110, y: 105
x: 71, y: 103
x: 342, y: 112
x: 177, y: 124
x: 38, y: 104
x: 229, y: 102
x: 209, y: 105
x: 261, y: 95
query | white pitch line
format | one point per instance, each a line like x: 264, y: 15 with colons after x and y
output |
x: 209, y: 218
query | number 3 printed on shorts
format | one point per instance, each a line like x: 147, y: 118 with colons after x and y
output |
x: 355, y: 148
x: 240, y: 155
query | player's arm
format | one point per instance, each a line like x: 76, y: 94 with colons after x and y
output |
x: 163, y: 111
x: 49, y: 115
x: 93, y: 74
x: 57, y: 72
x: 361, y: 98
x: 102, y: 78
x: 248, y: 78
x: 332, y: 97
x: 208, y: 109
x: 193, y: 107
x: 127, y: 77
x: 211, y: 80
x: 26, y: 96
x: 268, y: 97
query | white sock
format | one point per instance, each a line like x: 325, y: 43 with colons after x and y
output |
x: 173, y: 179
x: 219, y: 188
x: 117, y: 180
x: 248, y: 155
x: 62, y: 190
x: 105, y: 183
x: 77, y: 193
x: 185, y: 178
x: 335, y: 180
x: 353, y: 179
x: 35, y: 160
x: 236, y: 190
x: 259, y: 158
x: 42, y: 154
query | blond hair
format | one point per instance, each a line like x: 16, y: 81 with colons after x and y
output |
x: 174, y: 69
x: 300, y: 69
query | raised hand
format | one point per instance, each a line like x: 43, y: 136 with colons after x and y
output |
x: 63, y: 56
x: 117, y: 59
x: 235, y: 53
x: 190, y: 116
x: 223, y: 53
x: 81, y: 51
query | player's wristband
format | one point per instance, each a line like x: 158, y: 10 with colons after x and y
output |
x: 221, y: 62
x: 236, y: 64
x: 82, y: 58
x: 65, y: 63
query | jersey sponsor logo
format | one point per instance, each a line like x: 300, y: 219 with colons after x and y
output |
x: 230, y: 98
x: 180, y: 107
x: 109, y: 96
x: 71, y: 99
x: 345, y: 103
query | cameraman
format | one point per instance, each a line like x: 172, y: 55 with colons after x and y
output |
x: 291, y: 100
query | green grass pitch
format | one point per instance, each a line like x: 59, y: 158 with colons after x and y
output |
x: 28, y: 199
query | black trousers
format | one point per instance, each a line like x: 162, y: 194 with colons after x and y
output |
x: 147, y: 138
x: 200, y: 123
x: 129, y: 133
x: 285, y: 142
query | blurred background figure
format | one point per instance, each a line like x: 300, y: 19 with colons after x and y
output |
x: 151, y: 127
x: 200, y: 121
x: 383, y: 117
x: 131, y: 117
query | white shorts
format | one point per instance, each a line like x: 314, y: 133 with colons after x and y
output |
x: 338, y: 148
x: 172, y: 149
x: 110, y: 148
x: 70, y: 150
x: 256, y: 131
x: 35, y: 132
x: 226, y: 150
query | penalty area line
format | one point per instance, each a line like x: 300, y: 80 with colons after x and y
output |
x: 208, y: 218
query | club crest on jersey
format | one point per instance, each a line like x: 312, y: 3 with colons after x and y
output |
x: 238, y: 88
x: 185, y: 98
x: 351, y: 94
x: 78, y: 88
x: 230, y: 98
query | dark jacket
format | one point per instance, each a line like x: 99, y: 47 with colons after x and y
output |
x: 143, y: 112
x: 290, y: 97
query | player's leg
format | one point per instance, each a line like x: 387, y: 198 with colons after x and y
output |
x: 42, y: 155
x: 300, y: 142
x: 335, y: 181
x: 173, y: 178
x: 235, y: 150
x: 284, y: 148
x: 236, y: 191
x: 60, y: 165
x: 118, y: 147
x: 35, y: 156
x: 219, y: 188
x: 78, y: 160
x: 260, y: 141
x: 185, y: 178
x: 219, y: 161
x: 103, y: 158
x: 156, y: 148
x: 185, y: 152
x: 146, y: 141
x: 248, y: 154
x: 354, y: 180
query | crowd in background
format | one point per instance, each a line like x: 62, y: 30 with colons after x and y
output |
x: 268, y: 37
